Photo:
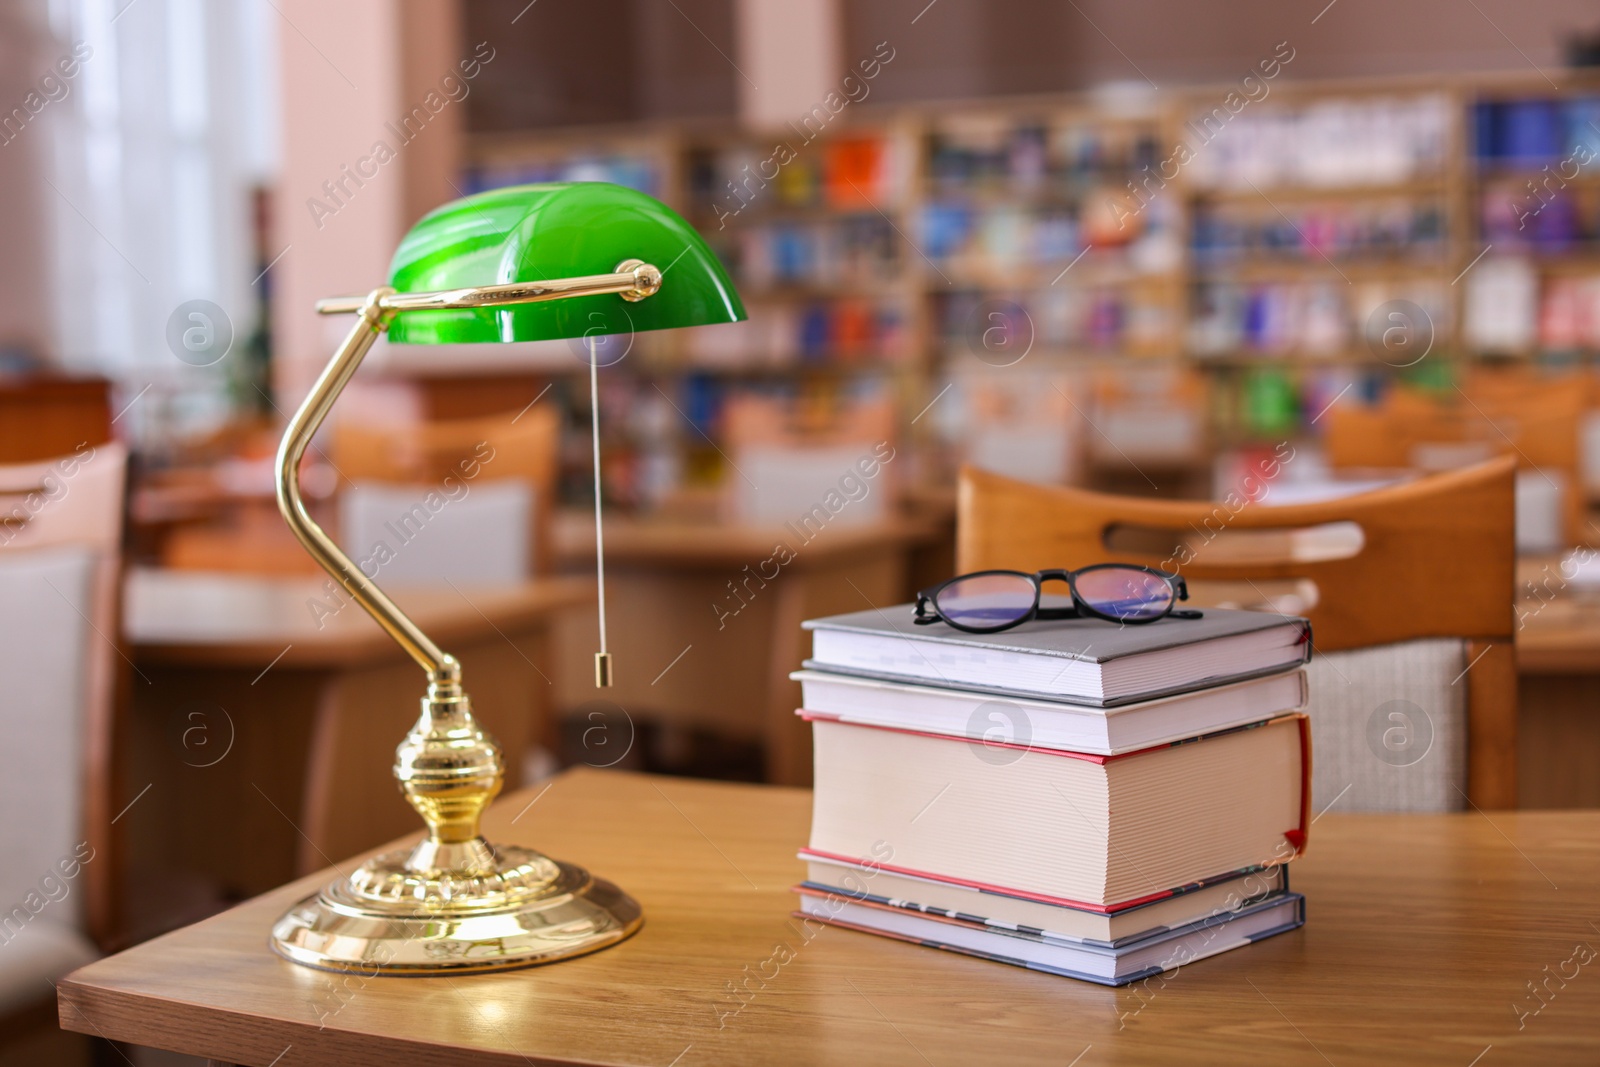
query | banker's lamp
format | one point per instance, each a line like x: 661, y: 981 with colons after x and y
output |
x: 530, y: 263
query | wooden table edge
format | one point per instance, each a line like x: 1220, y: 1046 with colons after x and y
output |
x: 678, y: 544
x: 1559, y: 658
x: 117, y: 1015
x: 372, y: 645
x: 349, y: 1047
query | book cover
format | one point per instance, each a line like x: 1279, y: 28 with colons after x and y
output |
x: 1083, y: 661
x: 1089, y: 640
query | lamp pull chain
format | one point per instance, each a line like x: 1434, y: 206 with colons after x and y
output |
x: 602, y: 659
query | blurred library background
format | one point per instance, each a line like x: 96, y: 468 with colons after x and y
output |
x: 1257, y: 253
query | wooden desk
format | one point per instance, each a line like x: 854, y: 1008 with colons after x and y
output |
x: 1560, y: 636
x: 700, y: 638
x: 47, y: 415
x: 1423, y: 933
x: 1558, y: 688
x: 267, y: 742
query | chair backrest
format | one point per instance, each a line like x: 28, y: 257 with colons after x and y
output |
x: 442, y: 455
x: 820, y: 421
x: 790, y: 455
x: 1152, y: 416
x: 1432, y: 558
x: 1023, y: 422
x: 469, y: 534
x: 775, y: 484
x: 60, y: 573
x: 1536, y: 422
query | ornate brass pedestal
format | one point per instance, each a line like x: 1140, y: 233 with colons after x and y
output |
x: 454, y: 904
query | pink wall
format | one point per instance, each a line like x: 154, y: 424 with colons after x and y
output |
x: 348, y: 83
x: 960, y: 48
x: 25, y: 55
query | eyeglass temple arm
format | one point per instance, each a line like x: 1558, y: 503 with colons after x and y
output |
x: 633, y: 280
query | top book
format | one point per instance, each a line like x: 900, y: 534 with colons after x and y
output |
x: 1082, y: 661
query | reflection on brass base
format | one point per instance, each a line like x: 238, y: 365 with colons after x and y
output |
x: 453, y: 904
x: 522, y: 910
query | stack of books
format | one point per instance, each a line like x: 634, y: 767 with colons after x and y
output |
x: 1071, y: 796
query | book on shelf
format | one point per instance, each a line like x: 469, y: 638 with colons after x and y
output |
x: 1106, y: 965
x: 1061, y: 920
x: 1091, y: 831
x: 1086, y: 661
x: 975, y: 713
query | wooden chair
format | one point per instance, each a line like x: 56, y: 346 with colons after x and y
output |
x: 788, y: 453
x: 525, y: 447
x: 215, y: 509
x: 1024, y: 422
x: 43, y: 416
x: 1147, y: 421
x: 1537, y: 422
x: 1434, y: 559
x: 60, y: 581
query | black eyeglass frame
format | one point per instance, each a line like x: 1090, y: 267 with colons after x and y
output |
x: 927, y: 607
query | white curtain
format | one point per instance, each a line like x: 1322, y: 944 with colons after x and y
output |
x: 169, y: 126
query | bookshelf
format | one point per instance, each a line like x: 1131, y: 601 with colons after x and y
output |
x: 1325, y: 233
x: 1534, y: 171
x: 915, y: 252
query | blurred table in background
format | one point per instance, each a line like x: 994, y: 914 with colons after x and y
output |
x: 704, y: 617
x: 264, y: 716
x: 217, y: 508
x: 44, y: 416
x: 1558, y: 691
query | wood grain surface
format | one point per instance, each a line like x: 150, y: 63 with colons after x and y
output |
x: 1424, y: 934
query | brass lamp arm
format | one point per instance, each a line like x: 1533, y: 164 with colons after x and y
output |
x: 441, y: 667
x: 633, y: 280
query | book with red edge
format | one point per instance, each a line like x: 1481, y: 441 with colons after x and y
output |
x: 1083, y: 830
x: 1181, y: 906
x: 1159, y: 953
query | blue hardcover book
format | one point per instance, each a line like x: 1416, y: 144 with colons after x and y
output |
x: 1486, y: 124
x: 1534, y: 131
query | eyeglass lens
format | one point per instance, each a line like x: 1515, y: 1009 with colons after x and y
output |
x: 1125, y: 593
x: 986, y: 601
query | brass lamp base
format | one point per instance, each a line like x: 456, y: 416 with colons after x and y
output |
x: 454, y: 904
x: 386, y: 919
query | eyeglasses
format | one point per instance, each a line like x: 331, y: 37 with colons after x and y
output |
x: 987, y: 602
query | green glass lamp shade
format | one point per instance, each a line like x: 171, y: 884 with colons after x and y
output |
x: 531, y: 233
